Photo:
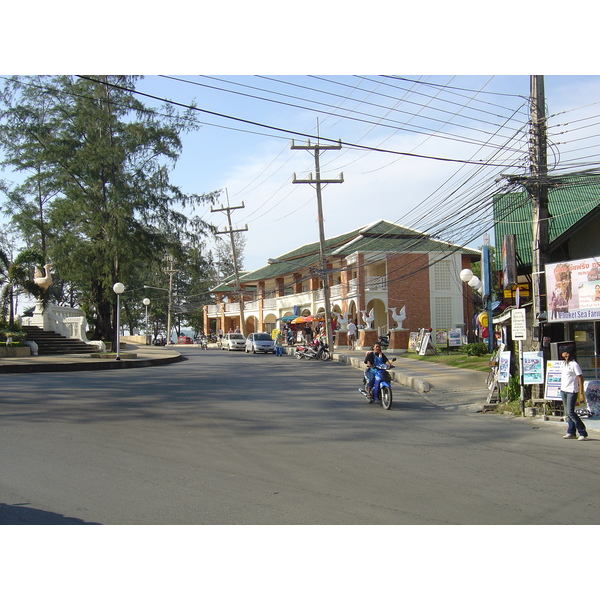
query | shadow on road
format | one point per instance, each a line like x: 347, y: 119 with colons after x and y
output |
x: 19, y: 514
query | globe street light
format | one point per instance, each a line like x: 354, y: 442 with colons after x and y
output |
x: 146, y: 302
x: 118, y: 289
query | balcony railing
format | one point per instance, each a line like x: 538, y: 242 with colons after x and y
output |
x: 375, y: 283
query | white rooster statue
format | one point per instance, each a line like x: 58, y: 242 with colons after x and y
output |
x: 398, y: 318
x: 368, y: 319
x: 41, y: 280
x: 342, y: 319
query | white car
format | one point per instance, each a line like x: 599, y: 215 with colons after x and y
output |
x: 233, y: 341
x: 260, y: 342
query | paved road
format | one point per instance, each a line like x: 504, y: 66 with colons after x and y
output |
x: 229, y: 438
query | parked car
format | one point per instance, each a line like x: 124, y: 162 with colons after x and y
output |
x: 184, y: 339
x: 233, y: 341
x: 260, y: 342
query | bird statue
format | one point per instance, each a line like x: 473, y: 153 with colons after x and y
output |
x: 41, y: 280
x: 368, y: 319
x: 342, y: 320
x: 398, y: 318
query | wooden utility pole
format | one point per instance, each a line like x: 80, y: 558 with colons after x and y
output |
x: 231, y: 231
x: 171, y: 271
x: 538, y: 189
x: 317, y: 181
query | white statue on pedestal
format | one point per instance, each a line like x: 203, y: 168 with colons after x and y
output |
x: 368, y: 319
x: 398, y: 318
x: 342, y: 320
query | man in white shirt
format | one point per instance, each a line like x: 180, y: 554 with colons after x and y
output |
x: 351, y: 335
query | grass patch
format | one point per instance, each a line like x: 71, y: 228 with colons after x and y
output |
x: 455, y: 359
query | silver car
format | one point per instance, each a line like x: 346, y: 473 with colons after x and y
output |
x: 233, y: 341
x: 260, y: 342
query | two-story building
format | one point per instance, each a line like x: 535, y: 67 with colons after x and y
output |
x: 370, y: 271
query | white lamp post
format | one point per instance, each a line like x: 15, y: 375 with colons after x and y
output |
x: 146, y: 302
x: 118, y: 289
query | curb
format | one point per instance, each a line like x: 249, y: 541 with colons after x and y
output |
x: 100, y: 365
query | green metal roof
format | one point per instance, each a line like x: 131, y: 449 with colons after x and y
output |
x: 381, y: 236
x: 570, y: 199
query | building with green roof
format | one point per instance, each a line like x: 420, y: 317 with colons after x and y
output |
x: 370, y: 272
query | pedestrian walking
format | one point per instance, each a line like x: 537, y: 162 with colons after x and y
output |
x: 351, y: 335
x: 571, y: 387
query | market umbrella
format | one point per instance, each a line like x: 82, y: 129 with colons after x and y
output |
x: 298, y: 320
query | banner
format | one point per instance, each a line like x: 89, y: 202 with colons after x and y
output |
x: 573, y: 290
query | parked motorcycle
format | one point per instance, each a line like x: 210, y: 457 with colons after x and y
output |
x: 303, y: 352
x: 382, y: 386
x: 384, y: 341
x: 318, y: 349
x: 321, y: 349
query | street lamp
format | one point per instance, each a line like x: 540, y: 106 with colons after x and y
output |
x: 146, y: 302
x: 118, y: 289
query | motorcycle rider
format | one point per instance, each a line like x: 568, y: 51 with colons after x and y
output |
x: 374, y: 358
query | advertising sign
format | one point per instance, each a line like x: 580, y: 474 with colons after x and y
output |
x: 454, y: 338
x: 533, y: 367
x: 553, y: 375
x: 518, y: 324
x: 574, y: 290
x: 504, y: 367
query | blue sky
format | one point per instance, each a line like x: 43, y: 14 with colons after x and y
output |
x: 257, y: 168
x: 234, y: 42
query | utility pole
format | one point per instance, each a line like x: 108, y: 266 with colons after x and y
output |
x: 231, y: 231
x: 538, y: 189
x: 171, y: 271
x: 318, y: 182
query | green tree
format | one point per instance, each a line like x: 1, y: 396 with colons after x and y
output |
x: 116, y: 212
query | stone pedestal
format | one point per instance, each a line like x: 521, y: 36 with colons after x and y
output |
x: 341, y: 339
x: 399, y: 340
x: 366, y: 339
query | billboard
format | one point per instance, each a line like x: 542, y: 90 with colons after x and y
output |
x: 573, y: 289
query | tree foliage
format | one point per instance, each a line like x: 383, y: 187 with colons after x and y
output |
x: 97, y: 199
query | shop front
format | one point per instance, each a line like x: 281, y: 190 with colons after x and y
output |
x: 573, y: 289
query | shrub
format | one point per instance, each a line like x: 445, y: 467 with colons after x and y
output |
x: 476, y: 349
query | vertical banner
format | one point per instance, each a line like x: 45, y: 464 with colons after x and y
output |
x: 504, y: 367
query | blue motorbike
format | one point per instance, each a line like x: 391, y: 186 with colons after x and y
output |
x: 382, y: 387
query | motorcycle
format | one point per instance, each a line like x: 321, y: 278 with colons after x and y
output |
x: 382, y: 387
x: 319, y: 350
x: 203, y: 342
x: 303, y: 352
x: 384, y: 341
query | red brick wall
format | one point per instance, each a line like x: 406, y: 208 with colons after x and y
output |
x: 408, y: 285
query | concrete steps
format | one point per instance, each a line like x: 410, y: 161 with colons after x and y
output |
x: 52, y: 343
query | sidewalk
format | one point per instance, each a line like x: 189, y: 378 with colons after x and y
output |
x: 450, y: 388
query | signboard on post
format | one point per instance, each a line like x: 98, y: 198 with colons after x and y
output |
x: 519, y: 325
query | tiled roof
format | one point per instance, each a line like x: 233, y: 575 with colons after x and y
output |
x: 569, y: 201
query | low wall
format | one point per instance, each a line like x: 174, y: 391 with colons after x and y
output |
x: 15, y: 351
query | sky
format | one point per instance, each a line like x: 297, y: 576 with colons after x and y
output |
x: 469, y: 119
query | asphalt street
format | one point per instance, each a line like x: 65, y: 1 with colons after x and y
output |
x: 229, y: 438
